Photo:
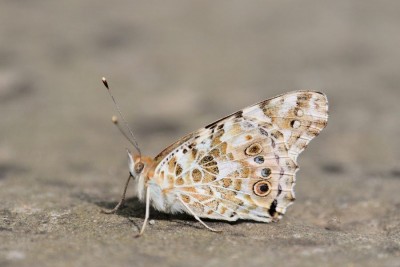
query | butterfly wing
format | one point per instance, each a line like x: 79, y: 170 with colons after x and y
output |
x: 244, y: 165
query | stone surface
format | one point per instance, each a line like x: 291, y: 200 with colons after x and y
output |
x: 176, y: 66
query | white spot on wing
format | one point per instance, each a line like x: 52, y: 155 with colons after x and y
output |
x: 256, y: 113
x: 204, y: 145
x: 289, y: 103
x: 227, y: 167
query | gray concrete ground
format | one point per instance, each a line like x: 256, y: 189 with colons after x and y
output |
x: 176, y: 66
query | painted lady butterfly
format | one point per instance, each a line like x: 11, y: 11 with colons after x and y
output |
x: 242, y: 166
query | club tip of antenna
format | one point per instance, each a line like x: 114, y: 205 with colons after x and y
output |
x: 104, y: 80
x: 114, y: 119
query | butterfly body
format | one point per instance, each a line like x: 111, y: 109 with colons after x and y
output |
x: 240, y: 167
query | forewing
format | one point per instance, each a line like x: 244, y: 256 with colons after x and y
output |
x: 244, y: 165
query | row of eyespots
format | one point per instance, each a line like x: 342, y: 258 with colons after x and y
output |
x: 255, y: 149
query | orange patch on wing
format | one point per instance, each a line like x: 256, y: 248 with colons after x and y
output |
x: 223, y: 148
x: 213, y: 169
x: 180, y: 181
x: 197, y: 175
x: 238, y: 185
x: 226, y: 182
x: 171, y: 165
x: 209, y: 178
x: 185, y: 198
x: 244, y: 172
x: 216, y: 141
x: 215, y: 153
x: 249, y: 199
x: 223, y: 210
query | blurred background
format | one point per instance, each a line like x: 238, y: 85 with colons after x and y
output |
x: 176, y: 66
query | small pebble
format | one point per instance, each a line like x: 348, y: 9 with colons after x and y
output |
x: 152, y: 222
x: 333, y: 224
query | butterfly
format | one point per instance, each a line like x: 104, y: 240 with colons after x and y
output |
x: 242, y: 166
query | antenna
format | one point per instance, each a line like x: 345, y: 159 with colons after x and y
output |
x: 114, y: 120
x: 131, y: 140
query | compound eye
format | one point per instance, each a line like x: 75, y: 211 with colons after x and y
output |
x: 139, y: 167
x: 262, y: 188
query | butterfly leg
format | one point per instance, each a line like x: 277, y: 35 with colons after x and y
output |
x: 146, y: 217
x: 122, y: 200
x: 197, y: 217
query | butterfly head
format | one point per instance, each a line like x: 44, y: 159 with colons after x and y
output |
x: 136, y: 166
x: 140, y: 169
